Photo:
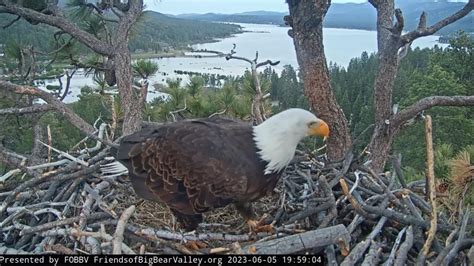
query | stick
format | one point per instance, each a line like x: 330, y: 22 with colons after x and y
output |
x: 391, y: 257
x: 118, y: 236
x: 361, y: 247
x: 352, y: 200
x: 301, y: 242
x: 457, y: 244
x: 46, y: 226
x: 65, y: 154
x: 430, y: 183
x: 402, y: 253
x: 373, y: 256
x: 463, y: 244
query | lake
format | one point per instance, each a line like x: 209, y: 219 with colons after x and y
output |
x: 272, y: 42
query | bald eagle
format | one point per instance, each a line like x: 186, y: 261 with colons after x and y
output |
x: 194, y: 166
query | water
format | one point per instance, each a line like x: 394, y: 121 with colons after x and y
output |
x: 271, y: 42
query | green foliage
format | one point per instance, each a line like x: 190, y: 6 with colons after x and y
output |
x: 157, y: 32
x: 195, y: 86
x: 154, y: 32
x: 144, y: 68
x: 286, y: 89
x: 423, y: 73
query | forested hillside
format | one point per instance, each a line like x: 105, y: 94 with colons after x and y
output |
x: 356, y: 16
x: 153, y: 31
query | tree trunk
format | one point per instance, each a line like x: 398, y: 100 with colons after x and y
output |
x: 388, y: 44
x: 306, y: 17
x: 131, y: 100
x: 131, y: 105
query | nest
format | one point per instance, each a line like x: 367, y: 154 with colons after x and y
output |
x: 343, y: 210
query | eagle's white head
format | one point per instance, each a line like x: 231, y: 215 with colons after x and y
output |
x: 277, y: 137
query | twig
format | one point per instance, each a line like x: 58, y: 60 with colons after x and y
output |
x: 360, y: 248
x: 354, y: 203
x: 463, y: 244
x: 65, y: 154
x: 396, y: 162
x: 177, y: 111
x: 218, y: 113
x: 402, y: 253
x: 46, y: 226
x: 373, y: 256
x: 457, y: 244
x: 118, y: 236
x: 391, y: 257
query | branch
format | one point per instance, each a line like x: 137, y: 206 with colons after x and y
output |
x: 428, y: 102
x: 46, y: 226
x: 15, y: 161
x: 68, y: 84
x: 37, y: 108
x: 130, y: 17
x: 300, y: 242
x: 268, y: 62
x: 398, y: 28
x: 420, y: 32
x: 172, y: 113
x: 59, y: 22
x: 118, y: 236
x: 430, y: 186
x: 50, y: 99
x: 361, y: 247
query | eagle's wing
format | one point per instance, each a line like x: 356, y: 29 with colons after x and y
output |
x: 192, y: 166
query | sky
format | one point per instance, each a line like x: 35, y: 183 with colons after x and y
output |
x: 226, y: 6
x: 221, y: 6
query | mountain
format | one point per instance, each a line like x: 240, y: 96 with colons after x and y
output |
x: 357, y: 16
x: 259, y: 17
x: 154, y: 27
x: 153, y: 31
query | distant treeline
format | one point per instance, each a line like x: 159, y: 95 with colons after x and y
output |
x: 153, y: 32
x: 358, y: 16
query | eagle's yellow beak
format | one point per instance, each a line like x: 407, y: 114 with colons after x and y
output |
x: 320, y: 128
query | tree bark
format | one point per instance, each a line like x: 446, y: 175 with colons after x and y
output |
x: 131, y: 102
x: 390, y: 40
x: 306, y: 17
x: 388, y: 45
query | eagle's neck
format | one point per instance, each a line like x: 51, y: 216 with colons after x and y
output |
x: 276, y: 144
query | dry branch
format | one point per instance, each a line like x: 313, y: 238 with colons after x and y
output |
x: 26, y: 110
x: 301, y: 242
x: 118, y: 236
x: 430, y: 185
x: 402, y: 253
x: 358, y: 251
x: 426, y: 103
x: 457, y: 245
x: 44, y: 227
x: 373, y: 256
x: 426, y: 31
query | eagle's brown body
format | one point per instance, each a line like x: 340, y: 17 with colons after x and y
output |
x: 195, y: 166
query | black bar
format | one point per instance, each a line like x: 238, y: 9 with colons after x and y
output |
x: 161, y: 259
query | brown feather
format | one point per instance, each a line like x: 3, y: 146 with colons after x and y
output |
x: 194, y: 166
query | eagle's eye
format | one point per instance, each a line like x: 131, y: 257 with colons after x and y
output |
x: 312, y: 123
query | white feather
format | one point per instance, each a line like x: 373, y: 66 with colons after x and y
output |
x: 278, y: 136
